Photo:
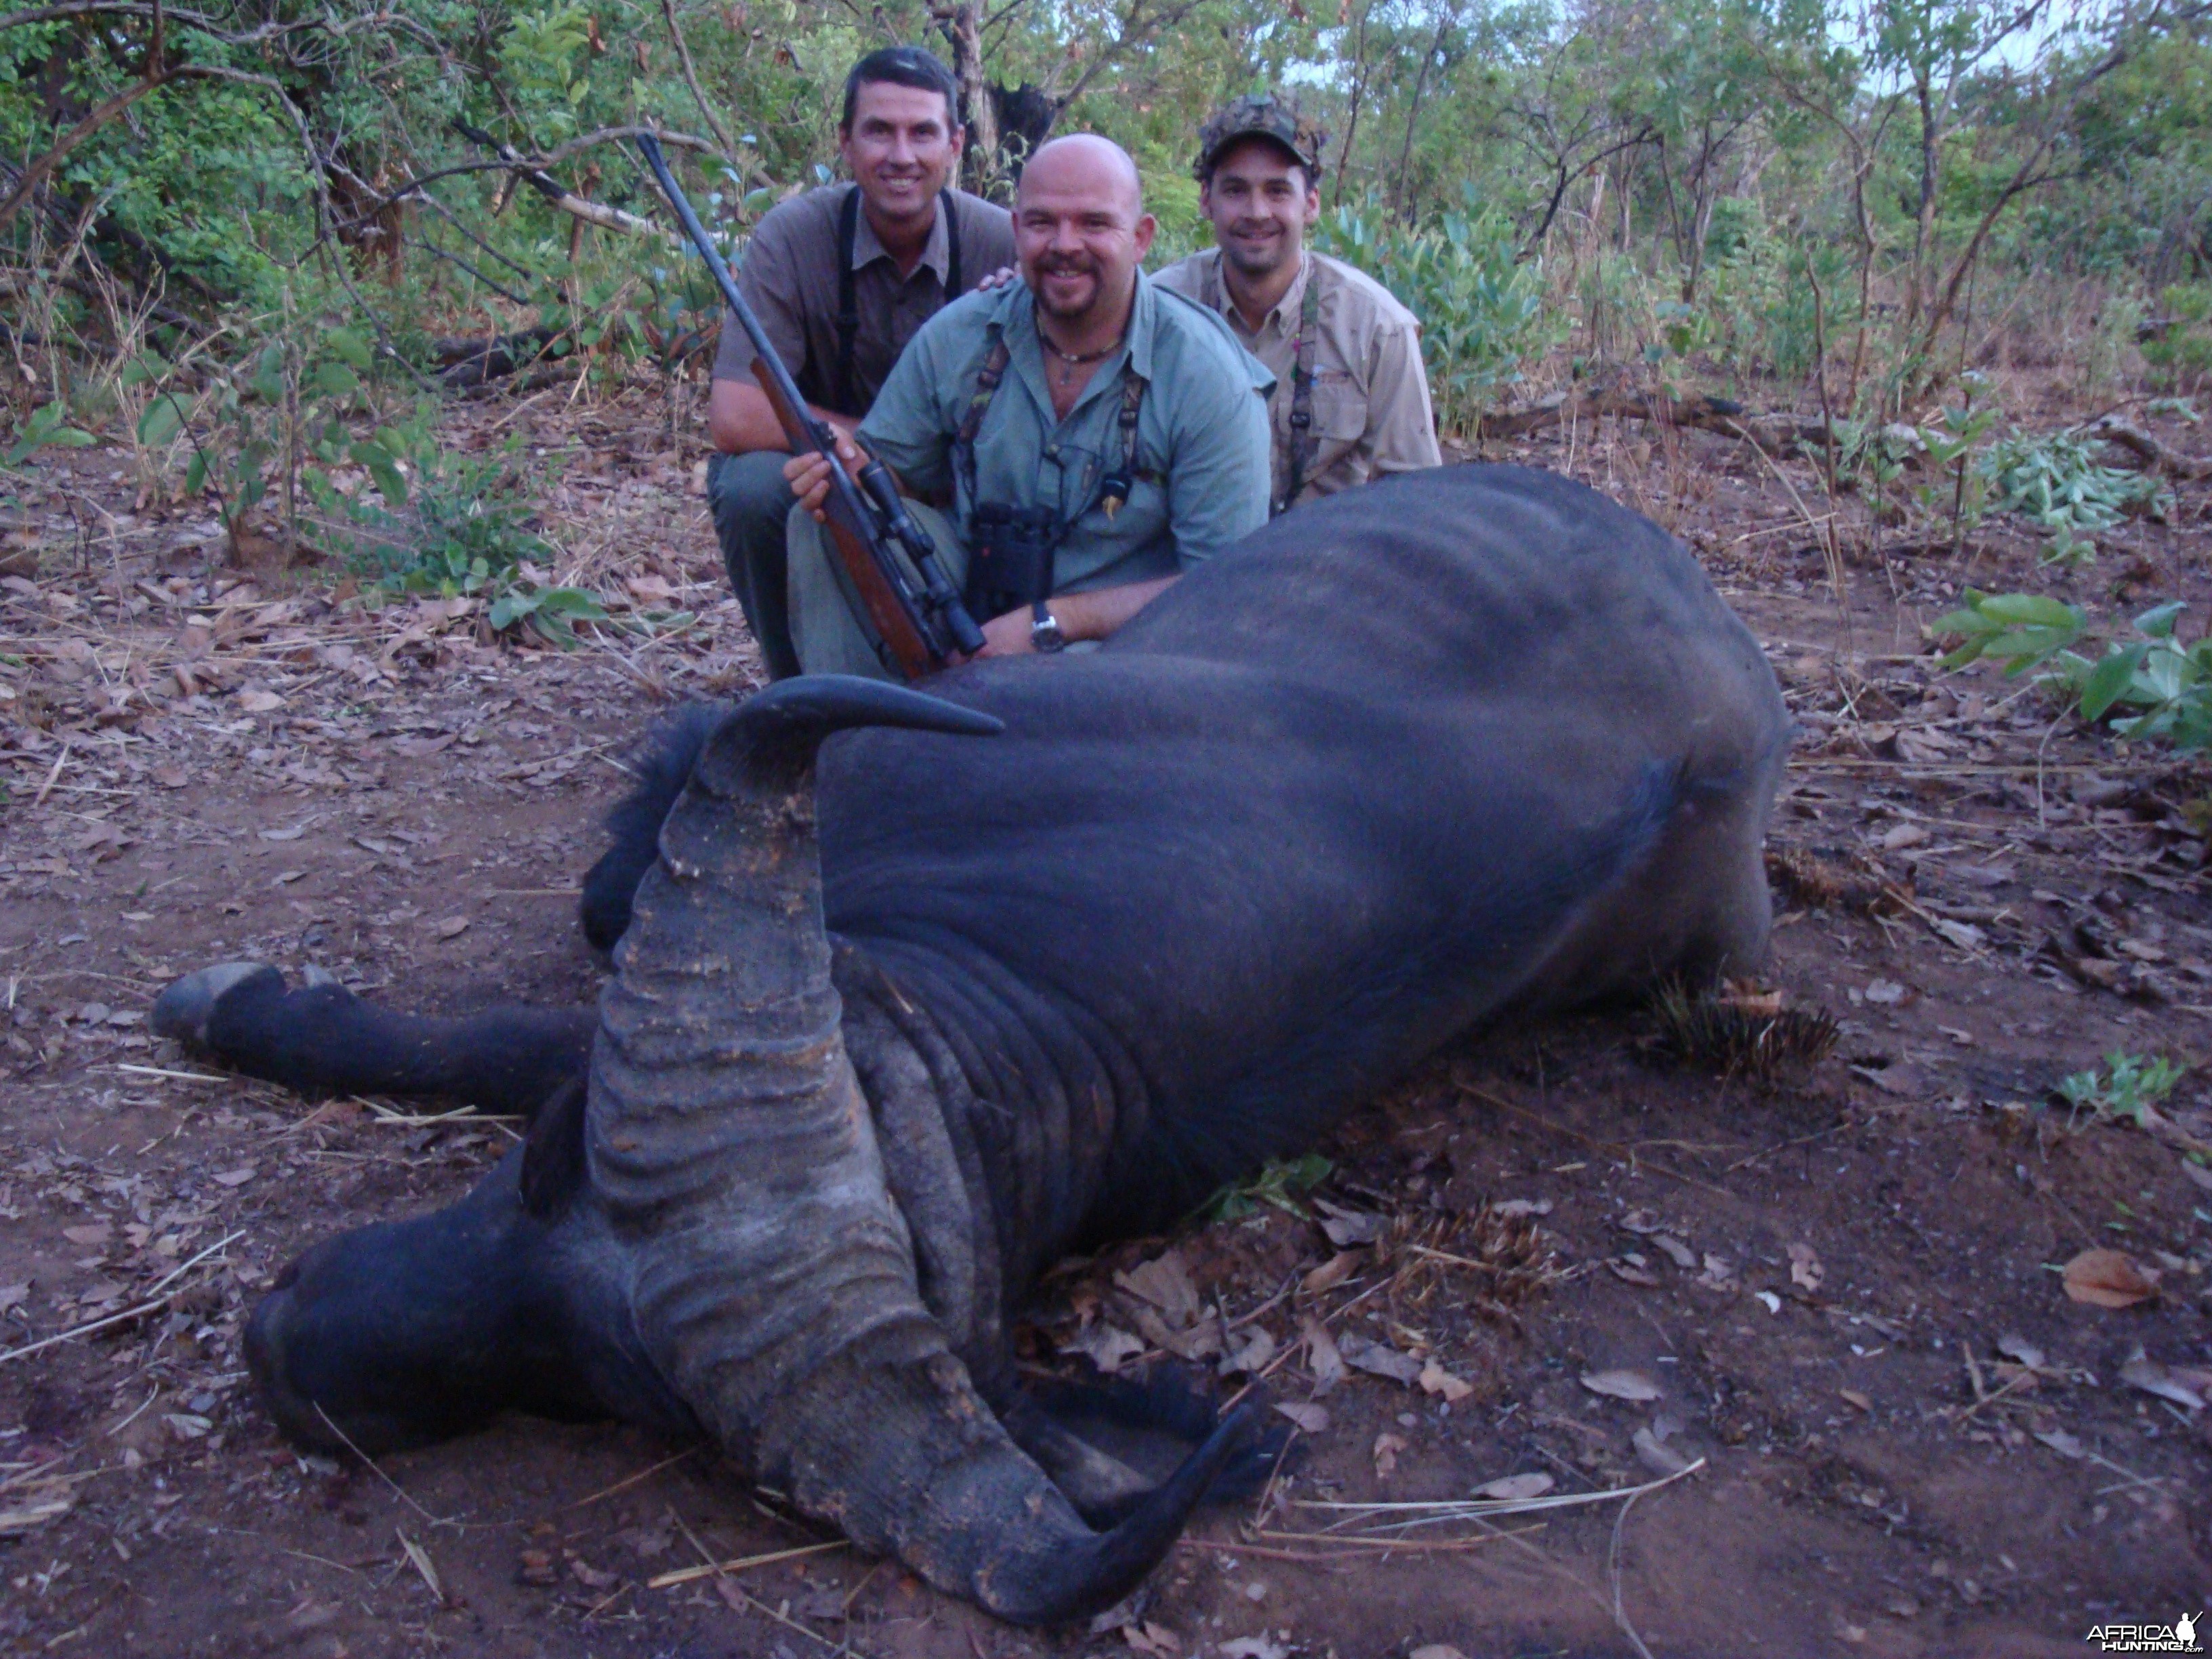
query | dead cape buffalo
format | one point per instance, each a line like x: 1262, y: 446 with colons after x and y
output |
x: 1075, y: 941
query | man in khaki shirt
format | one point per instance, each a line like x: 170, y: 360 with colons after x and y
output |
x: 841, y: 278
x: 1351, y: 399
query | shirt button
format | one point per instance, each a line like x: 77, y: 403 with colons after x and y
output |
x: 1052, y: 451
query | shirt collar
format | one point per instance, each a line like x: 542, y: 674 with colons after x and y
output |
x: 1284, y: 318
x: 1016, y: 318
x: 936, y: 252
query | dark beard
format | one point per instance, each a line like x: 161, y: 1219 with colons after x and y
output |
x: 1097, y: 292
x: 1246, y: 265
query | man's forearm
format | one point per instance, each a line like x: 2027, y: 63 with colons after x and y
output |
x: 1098, y: 613
x: 740, y: 419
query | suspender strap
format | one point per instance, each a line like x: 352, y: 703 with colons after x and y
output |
x: 951, y: 246
x: 987, y: 387
x: 1113, y: 489
x: 1304, y: 449
x: 849, y: 303
x: 1116, y: 488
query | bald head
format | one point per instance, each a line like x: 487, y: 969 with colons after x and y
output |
x: 1080, y: 232
x: 1086, y: 163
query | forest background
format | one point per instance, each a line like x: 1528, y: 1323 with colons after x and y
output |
x: 261, y: 246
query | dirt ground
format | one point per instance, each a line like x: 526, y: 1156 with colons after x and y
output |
x: 1836, y: 1294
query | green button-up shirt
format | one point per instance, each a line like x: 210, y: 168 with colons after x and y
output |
x: 1202, y: 442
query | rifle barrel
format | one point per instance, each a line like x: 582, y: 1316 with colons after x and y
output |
x: 766, y: 353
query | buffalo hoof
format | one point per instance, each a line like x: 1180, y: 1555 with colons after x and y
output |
x: 184, y: 1011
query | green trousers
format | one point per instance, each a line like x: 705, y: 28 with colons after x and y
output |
x: 825, y: 619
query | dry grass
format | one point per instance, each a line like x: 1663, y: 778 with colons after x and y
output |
x: 1738, y: 1031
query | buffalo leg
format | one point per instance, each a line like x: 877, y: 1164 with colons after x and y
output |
x: 322, y: 1038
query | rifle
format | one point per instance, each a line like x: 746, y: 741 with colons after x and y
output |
x: 913, y: 632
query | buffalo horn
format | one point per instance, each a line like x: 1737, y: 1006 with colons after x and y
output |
x: 730, y: 1141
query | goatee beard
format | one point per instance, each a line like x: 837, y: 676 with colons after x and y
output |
x: 1259, y: 262
x: 1065, y: 313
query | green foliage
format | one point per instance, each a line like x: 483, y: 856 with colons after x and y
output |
x: 1276, y: 1186
x: 2181, y: 351
x: 465, y: 533
x: 281, y: 418
x: 2053, y: 480
x: 1480, y: 306
x: 2129, y: 1087
x: 1949, y: 445
x: 1735, y: 221
x: 2157, y: 686
x: 2168, y: 685
x: 2018, y: 631
x: 49, y: 424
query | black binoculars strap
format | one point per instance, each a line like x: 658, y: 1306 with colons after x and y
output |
x: 849, y: 304
x: 1113, y: 489
x: 1304, y: 450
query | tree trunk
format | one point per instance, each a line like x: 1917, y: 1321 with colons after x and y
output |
x: 1358, y: 93
x: 1445, y: 18
x: 1923, y: 229
x: 963, y: 24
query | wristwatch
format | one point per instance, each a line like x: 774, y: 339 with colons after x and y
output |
x: 1044, y: 630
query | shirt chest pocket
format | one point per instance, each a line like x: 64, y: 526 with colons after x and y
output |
x: 1340, y: 408
x: 1083, y: 470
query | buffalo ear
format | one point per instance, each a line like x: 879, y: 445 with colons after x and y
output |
x: 553, y: 1154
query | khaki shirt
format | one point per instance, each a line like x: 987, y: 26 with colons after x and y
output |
x: 1371, y: 398
x: 790, y: 280
x: 1201, y: 475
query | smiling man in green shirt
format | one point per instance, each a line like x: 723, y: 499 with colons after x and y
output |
x: 1095, y: 435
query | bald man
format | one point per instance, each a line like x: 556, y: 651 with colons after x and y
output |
x: 1091, y: 436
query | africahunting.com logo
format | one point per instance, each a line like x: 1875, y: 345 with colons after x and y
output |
x: 2179, y: 1636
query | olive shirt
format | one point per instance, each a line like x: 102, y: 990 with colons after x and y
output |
x: 790, y: 279
x: 1370, y: 396
x: 1201, y: 476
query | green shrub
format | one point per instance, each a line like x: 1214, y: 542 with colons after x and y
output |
x: 2181, y: 351
x: 2129, y: 1088
x: 2159, y: 687
x: 465, y: 532
x: 1760, y: 294
x: 2055, y: 481
x: 1480, y: 306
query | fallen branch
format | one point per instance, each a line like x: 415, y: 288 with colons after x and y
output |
x: 1423, y: 1513
x: 592, y: 213
x: 717, y: 1569
x: 470, y: 360
x: 2156, y: 457
x: 1779, y: 434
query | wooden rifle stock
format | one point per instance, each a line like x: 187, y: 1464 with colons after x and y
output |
x: 887, y: 609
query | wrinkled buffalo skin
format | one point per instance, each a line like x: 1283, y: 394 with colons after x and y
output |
x: 1460, y: 745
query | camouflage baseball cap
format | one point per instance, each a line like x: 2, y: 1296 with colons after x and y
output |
x: 1262, y: 115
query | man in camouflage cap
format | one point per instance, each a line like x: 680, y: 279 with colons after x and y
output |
x: 1351, y: 399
